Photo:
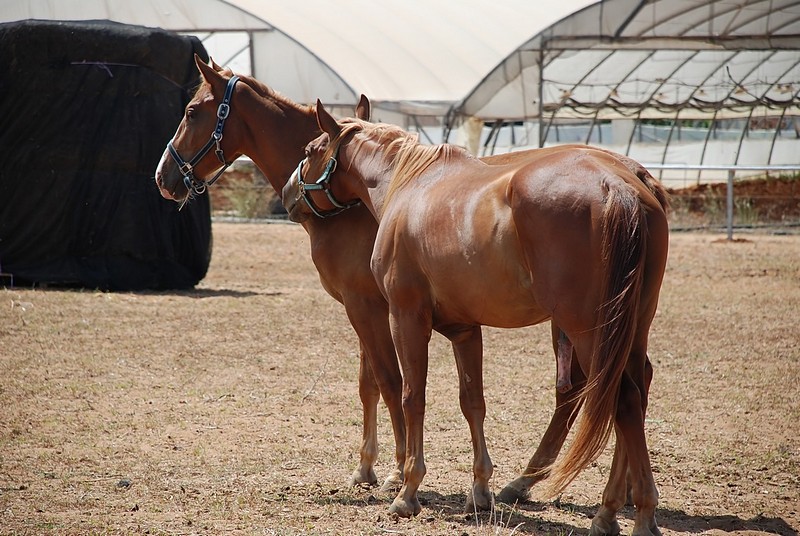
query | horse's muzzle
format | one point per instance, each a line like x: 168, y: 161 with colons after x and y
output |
x: 162, y: 172
x: 290, y: 198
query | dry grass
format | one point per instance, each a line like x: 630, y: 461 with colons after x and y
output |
x: 233, y: 408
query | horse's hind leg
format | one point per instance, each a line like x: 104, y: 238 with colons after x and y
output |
x: 648, y: 378
x: 632, y: 447
x: 468, y: 350
x: 605, y: 520
x: 567, y: 404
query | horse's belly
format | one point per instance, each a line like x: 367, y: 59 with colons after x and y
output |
x: 488, y: 293
x: 505, y: 314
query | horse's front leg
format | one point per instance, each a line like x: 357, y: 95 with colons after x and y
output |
x: 379, y: 375
x: 370, y: 394
x: 468, y: 349
x: 411, y: 332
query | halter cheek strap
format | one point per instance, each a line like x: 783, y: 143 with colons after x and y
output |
x: 192, y: 183
x: 323, y: 183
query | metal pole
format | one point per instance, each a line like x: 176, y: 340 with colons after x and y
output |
x: 730, y: 204
x: 541, y: 95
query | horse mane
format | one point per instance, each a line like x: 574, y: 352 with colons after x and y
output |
x: 405, y: 155
x: 266, y: 92
x: 262, y: 90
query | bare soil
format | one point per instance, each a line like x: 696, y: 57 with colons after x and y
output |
x: 233, y: 408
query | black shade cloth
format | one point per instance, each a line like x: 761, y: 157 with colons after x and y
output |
x: 86, y: 110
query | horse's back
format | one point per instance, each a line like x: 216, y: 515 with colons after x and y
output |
x: 510, y: 243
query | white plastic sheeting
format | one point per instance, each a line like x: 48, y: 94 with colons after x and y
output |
x: 651, y: 59
x: 412, y: 56
x: 416, y: 56
x: 473, y: 62
x: 508, y: 60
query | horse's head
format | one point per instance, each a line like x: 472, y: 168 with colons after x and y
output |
x: 310, y: 191
x: 199, y: 150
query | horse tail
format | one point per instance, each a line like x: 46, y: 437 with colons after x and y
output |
x: 654, y: 186
x: 624, y: 235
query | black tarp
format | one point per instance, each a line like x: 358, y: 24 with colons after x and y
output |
x: 86, y: 109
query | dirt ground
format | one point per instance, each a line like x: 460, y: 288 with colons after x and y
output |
x: 233, y: 408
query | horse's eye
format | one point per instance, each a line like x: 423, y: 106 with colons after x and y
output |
x: 189, y: 113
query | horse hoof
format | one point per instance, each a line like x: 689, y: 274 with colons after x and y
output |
x: 478, y: 502
x: 512, y: 495
x: 393, y: 482
x: 601, y: 527
x: 404, y: 508
x: 363, y: 478
x: 646, y: 531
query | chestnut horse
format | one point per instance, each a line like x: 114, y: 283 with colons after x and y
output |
x: 273, y: 131
x: 571, y: 235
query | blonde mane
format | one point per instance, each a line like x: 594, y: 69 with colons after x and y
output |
x: 406, y: 157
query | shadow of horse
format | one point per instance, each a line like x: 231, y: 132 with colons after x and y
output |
x: 680, y: 521
x: 676, y: 520
x: 519, y: 518
x: 201, y: 293
x: 450, y: 509
x: 524, y: 517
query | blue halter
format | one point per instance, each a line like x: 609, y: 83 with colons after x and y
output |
x: 192, y: 183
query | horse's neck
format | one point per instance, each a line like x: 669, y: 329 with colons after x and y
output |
x: 279, y: 130
x: 371, y: 181
x: 384, y: 188
x: 377, y: 192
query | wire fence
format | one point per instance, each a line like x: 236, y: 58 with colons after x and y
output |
x: 733, y: 204
x: 730, y: 197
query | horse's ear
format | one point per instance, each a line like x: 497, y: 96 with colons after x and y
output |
x: 214, y: 65
x: 363, y: 108
x: 326, y: 121
x: 208, y: 72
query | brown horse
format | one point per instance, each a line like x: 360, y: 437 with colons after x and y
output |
x: 570, y: 235
x: 273, y: 131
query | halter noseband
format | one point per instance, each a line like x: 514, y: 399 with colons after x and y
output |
x: 192, y: 183
x: 323, y: 183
